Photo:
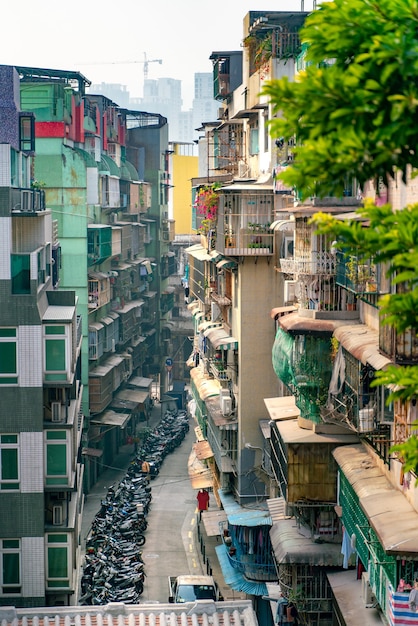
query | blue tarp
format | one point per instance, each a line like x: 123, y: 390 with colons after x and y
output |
x: 235, y: 579
x: 242, y: 516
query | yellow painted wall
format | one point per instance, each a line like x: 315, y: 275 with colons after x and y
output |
x: 184, y: 169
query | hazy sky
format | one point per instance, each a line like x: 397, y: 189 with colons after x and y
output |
x: 103, y: 39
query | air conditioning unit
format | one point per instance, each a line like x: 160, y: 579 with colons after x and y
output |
x: 25, y: 200
x: 56, y: 412
x: 290, y: 290
x: 242, y: 169
x: 366, y: 591
x: 226, y: 405
x: 57, y: 514
x: 288, y: 247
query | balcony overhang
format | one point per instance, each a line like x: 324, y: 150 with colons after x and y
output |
x: 389, y: 513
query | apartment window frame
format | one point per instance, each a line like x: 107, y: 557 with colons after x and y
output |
x: 57, y: 462
x: 27, y: 132
x: 57, y: 351
x: 9, y: 462
x: 10, y: 567
x: 58, y: 557
x: 8, y: 373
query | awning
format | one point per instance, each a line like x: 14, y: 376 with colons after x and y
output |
x: 290, y: 546
x: 203, y: 450
x: 95, y: 326
x: 208, y: 324
x: 133, y: 395
x: 240, y: 516
x: 206, y: 387
x: 389, y: 513
x: 55, y: 313
x: 297, y: 323
x: 220, y: 339
x: 226, y: 264
x: 110, y: 418
x: 235, y: 579
x: 108, y: 165
x: 363, y: 343
x: 92, y: 452
x: 283, y: 225
x: 281, y: 310
x: 282, y: 408
x: 198, y: 252
x: 200, y: 475
x: 211, y: 521
x: 140, y: 381
x: 193, y: 305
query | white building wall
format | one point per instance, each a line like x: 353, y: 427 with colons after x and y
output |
x: 33, y: 567
x: 32, y: 462
x: 5, y: 247
x: 30, y: 355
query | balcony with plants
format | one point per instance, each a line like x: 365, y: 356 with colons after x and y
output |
x: 243, y: 225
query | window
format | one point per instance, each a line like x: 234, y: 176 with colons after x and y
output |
x: 10, y: 567
x: 254, y: 148
x: 56, y: 458
x: 55, y: 352
x: 27, y: 132
x: 57, y: 557
x: 8, y: 356
x: 9, y: 462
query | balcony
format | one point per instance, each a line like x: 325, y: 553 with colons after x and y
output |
x: 99, y: 243
x: 27, y: 201
x: 254, y: 240
x: 361, y: 276
x: 219, y: 371
x: 98, y: 290
x: 256, y: 566
x: 314, y: 264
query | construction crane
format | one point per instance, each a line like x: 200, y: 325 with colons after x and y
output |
x: 146, y: 61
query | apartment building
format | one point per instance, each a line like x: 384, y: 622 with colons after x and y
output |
x: 85, y: 298
x: 316, y: 463
x: 41, y: 418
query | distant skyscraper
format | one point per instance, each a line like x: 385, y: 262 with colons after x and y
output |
x: 115, y: 92
x: 204, y: 107
x: 163, y: 96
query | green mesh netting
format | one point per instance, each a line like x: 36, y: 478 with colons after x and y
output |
x: 304, y: 364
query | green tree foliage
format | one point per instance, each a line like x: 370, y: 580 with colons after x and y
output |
x: 353, y: 108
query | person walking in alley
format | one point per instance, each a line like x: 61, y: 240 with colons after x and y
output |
x: 202, y: 501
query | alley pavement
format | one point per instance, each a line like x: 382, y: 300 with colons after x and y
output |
x: 174, y: 543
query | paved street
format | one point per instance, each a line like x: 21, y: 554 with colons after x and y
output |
x: 172, y: 545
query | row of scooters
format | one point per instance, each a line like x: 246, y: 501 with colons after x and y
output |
x: 113, y: 570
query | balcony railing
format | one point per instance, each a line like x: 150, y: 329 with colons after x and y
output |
x: 249, y: 242
x: 314, y: 264
x: 219, y: 371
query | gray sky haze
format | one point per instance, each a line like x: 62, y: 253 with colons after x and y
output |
x: 106, y: 40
